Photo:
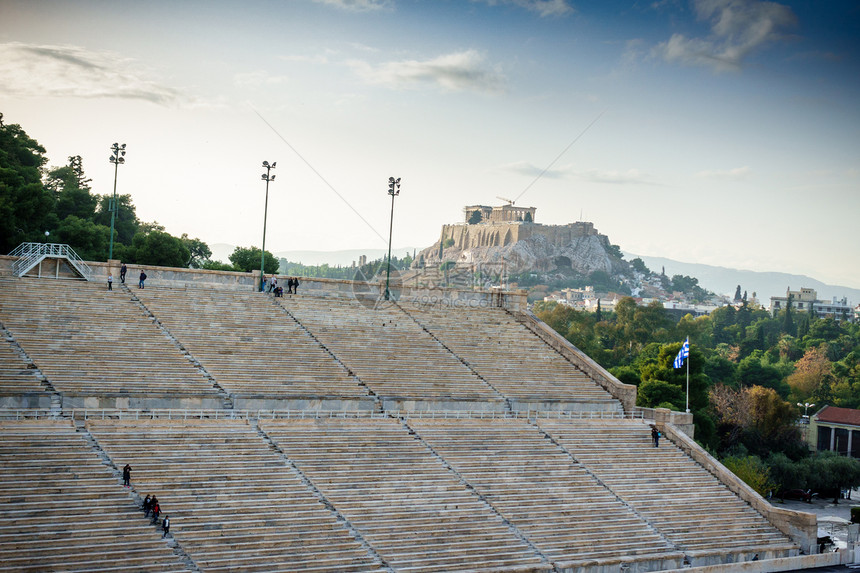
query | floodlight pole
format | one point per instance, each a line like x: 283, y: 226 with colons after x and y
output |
x: 266, y: 177
x: 394, y: 191
x: 117, y: 159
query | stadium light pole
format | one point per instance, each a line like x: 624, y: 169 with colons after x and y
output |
x: 806, y: 406
x: 394, y: 191
x: 117, y: 158
x: 266, y: 177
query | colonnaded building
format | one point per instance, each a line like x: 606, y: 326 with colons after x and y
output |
x: 332, y: 430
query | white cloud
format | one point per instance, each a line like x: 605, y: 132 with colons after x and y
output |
x: 526, y: 168
x: 736, y: 173
x: 358, y: 5
x: 454, y: 72
x: 31, y: 70
x: 738, y: 27
x: 258, y: 78
x: 316, y: 59
x: 630, y: 176
x: 544, y: 8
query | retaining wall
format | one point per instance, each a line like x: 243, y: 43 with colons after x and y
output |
x: 625, y: 393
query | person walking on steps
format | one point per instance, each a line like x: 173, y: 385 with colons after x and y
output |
x: 126, y: 476
x: 165, y: 526
x: 655, y: 435
x: 156, y: 510
x: 122, y: 270
x: 142, y: 278
x: 147, y: 505
x: 110, y: 282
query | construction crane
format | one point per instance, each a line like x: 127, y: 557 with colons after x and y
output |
x: 510, y: 201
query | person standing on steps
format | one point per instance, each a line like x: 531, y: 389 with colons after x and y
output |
x: 165, y: 526
x: 655, y: 435
x: 147, y: 505
x: 126, y: 476
x: 122, y: 270
x: 142, y: 278
x: 110, y: 281
x: 296, y: 285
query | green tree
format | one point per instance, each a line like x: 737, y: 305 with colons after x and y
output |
x: 662, y: 369
x: 217, y: 266
x: 786, y: 473
x: 126, y: 224
x: 71, y: 190
x: 753, y: 372
x: 639, y: 266
x: 157, y: 248
x: 682, y: 283
x: 26, y: 207
x: 475, y: 217
x: 788, y: 319
x: 830, y: 472
x: 89, y: 240
x: 658, y: 393
x: 200, y: 252
x: 753, y: 472
x: 248, y: 259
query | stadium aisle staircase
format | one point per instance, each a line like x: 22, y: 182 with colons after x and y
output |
x: 90, y: 341
x: 510, y: 357
x: 65, y: 511
x: 412, y: 510
x: 250, y: 346
x: 532, y: 482
x: 233, y: 503
x: 389, y: 351
x: 693, y: 509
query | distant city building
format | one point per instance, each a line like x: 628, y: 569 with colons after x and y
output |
x: 832, y: 429
x: 806, y: 300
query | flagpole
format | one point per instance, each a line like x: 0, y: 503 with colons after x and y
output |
x: 688, y: 380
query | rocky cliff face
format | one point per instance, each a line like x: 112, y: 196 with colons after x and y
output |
x: 525, y: 247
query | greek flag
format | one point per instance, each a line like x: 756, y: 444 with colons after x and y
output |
x: 683, y: 354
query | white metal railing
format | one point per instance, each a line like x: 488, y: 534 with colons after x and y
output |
x: 29, y: 254
x: 200, y: 414
x: 26, y: 414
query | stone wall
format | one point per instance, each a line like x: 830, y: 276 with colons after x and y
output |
x: 624, y: 393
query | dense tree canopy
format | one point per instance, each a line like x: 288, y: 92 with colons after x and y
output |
x: 35, y: 200
x: 248, y: 259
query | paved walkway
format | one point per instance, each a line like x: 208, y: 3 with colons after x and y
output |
x: 825, y: 508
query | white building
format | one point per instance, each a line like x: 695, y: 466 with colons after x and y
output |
x: 806, y: 300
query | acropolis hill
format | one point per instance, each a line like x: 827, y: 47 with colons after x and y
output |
x: 509, y: 235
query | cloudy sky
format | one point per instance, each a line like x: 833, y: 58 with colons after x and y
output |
x: 724, y: 132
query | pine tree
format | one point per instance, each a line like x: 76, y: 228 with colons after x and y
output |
x: 788, y: 322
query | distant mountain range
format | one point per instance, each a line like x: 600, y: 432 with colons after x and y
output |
x: 721, y: 280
